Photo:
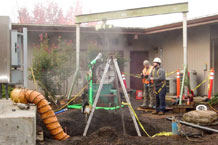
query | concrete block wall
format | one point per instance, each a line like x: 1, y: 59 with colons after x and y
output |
x: 17, y: 127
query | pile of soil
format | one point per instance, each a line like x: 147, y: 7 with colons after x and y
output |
x: 106, y: 129
x: 73, y: 122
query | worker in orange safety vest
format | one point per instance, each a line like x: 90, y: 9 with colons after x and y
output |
x: 148, y: 93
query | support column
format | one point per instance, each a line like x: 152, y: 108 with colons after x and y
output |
x: 185, y: 50
x: 77, y: 45
x: 0, y: 90
x: 25, y: 54
x: 185, y: 58
x: 77, y: 59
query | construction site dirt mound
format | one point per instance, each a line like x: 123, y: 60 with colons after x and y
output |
x: 109, y: 136
x: 73, y: 122
x: 106, y: 129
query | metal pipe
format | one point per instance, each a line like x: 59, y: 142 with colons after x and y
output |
x: 77, y: 44
x: 185, y: 55
x: 119, y: 101
x: 72, y: 85
x: 185, y: 45
x: 0, y: 90
x: 77, y: 59
x: 194, y: 125
x: 182, y: 87
x: 91, y: 64
x: 6, y: 91
x: 185, y: 38
x: 126, y: 96
x: 25, y: 53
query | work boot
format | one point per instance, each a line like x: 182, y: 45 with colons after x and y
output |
x: 150, y: 106
x: 154, y: 112
x: 161, y: 113
x: 143, y: 106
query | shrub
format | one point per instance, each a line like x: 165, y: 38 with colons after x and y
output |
x: 214, y: 100
x: 10, y: 88
x: 53, y: 64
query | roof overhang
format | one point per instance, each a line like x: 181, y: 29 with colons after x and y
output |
x: 178, y: 25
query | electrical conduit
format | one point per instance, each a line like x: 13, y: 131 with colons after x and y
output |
x: 46, y: 113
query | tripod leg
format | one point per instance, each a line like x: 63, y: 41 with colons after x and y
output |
x: 126, y: 96
x: 97, y: 97
x: 119, y: 100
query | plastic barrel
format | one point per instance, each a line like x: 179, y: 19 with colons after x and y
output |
x: 193, y: 81
x: 171, y: 85
x: 139, y: 95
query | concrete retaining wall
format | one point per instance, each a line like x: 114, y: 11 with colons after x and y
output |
x: 17, y: 127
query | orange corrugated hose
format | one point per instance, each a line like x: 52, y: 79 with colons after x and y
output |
x: 44, y: 109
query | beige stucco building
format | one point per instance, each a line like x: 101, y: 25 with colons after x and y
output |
x: 138, y: 44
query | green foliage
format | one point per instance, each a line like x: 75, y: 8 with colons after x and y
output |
x: 10, y: 88
x: 214, y: 100
x: 92, y: 51
x: 121, y: 60
x: 52, y: 65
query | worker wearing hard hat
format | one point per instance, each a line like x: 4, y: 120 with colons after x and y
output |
x: 148, y: 90
x: 158, y: 77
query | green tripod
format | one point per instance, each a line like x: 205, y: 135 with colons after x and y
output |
x: 90, y: 92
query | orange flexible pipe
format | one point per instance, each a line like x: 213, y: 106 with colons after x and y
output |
x: 47, y: 114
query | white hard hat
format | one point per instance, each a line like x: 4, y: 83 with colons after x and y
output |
x: 157, y: 60
x: 146, y: 62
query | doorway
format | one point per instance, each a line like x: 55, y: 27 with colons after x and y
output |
x: 136, y: 66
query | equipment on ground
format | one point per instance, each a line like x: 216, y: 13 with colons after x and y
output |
x: 194, y: 125
x: 174, y: 126
x: 92, y: 87
x: 186, y: 88
x: 26, y: 96
x: 23, y: 106
x: 201, y: 107
x: 182, y: 108
x: 13, y: 54
x: 61, y: 111
x: 117, y: 70
x: 91, y: 65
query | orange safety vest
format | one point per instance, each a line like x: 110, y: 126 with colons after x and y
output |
x: 145, y: 72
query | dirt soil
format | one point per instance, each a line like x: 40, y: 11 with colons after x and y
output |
x: 106, y: 129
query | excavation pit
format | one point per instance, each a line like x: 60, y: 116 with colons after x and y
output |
x: 106, y: 129
x: 73, y: 121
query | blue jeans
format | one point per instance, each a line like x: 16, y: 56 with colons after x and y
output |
x: 160, y: 99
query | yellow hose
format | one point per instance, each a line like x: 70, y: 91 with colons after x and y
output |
x: 142, y: 127
x: 46, y: 113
